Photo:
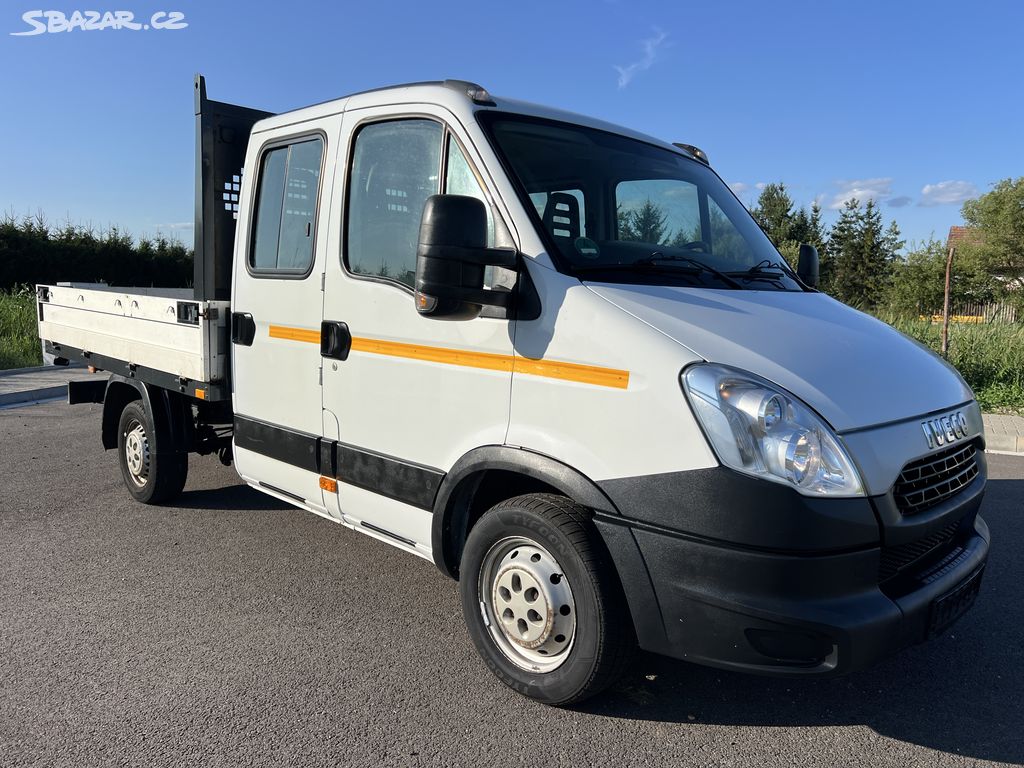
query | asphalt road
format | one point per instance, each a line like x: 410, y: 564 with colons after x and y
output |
x: 233, y: 630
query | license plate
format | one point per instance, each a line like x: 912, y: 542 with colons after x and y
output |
x: 954, y: 604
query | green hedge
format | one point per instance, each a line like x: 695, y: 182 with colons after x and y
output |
x: 32, y: 252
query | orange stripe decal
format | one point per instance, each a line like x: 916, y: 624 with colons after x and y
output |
x: 550, y: 369
x: 486, y: 360
x: 585, y: 374
x: 294, y: 334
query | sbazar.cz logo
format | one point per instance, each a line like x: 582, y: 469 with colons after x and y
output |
x: 41, y: 22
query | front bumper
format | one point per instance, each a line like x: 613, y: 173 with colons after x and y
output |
x: 796, y: 612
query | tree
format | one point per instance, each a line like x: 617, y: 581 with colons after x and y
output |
x: 815, y: 228
x: 840, y: 243
x: 787, y: 228
x: 918, y: 282
x: 646, y: 224
x: 860, y: 255
x: 998, y: 249
x: 773, y: 212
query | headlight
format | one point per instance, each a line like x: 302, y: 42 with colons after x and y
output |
x: 759, y: 429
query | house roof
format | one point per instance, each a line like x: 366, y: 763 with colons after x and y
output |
x: 963, y: 236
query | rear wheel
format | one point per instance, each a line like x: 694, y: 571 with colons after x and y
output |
x: 542, y: 601
x: 151, y: 475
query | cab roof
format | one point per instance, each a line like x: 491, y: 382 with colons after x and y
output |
x: 462, y: 98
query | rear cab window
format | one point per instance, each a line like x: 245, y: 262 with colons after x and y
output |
x: 288, y: 188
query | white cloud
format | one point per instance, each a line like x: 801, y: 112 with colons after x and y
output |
x: 176, y: 226
x: 947, y: 192
x: 760, y: 185
x: 681, y: 190
x: 863, y: 190
x: 650, y: 47
x: 739, y: 188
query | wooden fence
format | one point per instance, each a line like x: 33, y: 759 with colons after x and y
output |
x: 981, y: 313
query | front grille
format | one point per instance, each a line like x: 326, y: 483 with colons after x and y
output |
x: 895, y: 559
x: 926, y: 482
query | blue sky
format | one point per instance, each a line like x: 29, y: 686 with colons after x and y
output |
x: 918, y: 104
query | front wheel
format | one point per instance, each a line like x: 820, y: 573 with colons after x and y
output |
x: 151, y: 476
x: 542, y: 601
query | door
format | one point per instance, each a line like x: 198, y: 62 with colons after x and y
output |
x: 277, y: 304
x: 413, y: 394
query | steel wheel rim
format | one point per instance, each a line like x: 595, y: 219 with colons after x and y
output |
x: 136, y: 452
x: 527, y: 604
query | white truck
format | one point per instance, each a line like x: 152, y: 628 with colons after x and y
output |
x: 560, y: 360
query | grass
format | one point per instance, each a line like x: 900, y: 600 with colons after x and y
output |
x: 19, y: 340
x: 989, y: 356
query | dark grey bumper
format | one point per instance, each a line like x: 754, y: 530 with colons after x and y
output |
x: 804, y: 609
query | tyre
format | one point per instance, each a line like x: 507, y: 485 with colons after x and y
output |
x: 150, y: 475
x: 542, y: 601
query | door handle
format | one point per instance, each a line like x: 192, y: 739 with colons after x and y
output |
x: 335, y: 340
x: 243, y: 328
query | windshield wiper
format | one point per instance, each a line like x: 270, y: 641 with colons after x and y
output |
x: 763, y: 271
x: 658, y: 260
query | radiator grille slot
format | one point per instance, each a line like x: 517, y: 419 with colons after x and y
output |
x: 929, y: 481
x: 894, y: 559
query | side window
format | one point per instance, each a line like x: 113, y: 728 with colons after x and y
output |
x: 726, y: 241
x: 395, y: 168
x: 285, y: 217
x: 460, y: 180
x: 658, y: 211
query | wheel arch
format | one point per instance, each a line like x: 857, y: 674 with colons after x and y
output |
x: 170, y: 410
x: 491, y: 474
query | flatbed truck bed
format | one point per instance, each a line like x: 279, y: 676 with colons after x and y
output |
x: 161, y: 335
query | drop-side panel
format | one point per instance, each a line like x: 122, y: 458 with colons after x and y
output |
x: 165, y: 331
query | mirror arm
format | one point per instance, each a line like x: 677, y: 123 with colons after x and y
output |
x: 496, y: 297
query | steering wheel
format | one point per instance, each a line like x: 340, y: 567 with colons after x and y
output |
x: 695, y: 245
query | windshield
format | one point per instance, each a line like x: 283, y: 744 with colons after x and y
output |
x: 620, y: 209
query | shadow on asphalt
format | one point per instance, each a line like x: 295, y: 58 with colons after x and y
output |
x: 239, y: 496
x: 960, y: 693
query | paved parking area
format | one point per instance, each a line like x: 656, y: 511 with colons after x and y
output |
x: 232, y: 630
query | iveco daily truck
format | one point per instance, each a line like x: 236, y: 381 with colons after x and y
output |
x: 439, y: 318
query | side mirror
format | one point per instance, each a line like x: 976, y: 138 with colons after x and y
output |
x: 451, y: 258
x: 807, y: 265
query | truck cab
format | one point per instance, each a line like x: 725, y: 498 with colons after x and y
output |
x: 557, y: 358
